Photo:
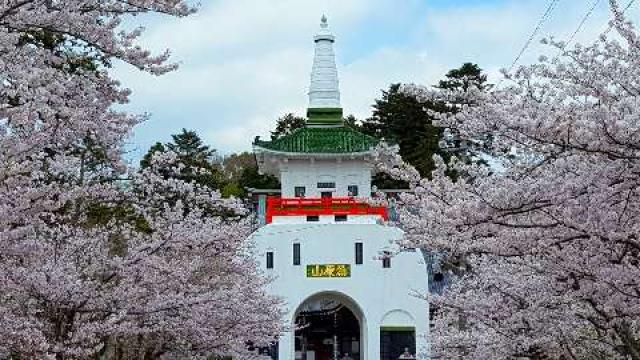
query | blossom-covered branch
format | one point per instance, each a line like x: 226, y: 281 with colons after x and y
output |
x: 547, y: 249
x: 92, y: 266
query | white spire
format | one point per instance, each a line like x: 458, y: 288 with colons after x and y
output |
x: 324, y: 91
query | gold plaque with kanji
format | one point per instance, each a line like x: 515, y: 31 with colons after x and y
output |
x: 329, y: 271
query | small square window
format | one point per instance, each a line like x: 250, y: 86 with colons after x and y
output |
x: 340, y: 218
x: 326, y: 194
x: 359, y: 253
x: 313, y: 218
x: 352, y: 190
x: 299, y: 191
x: 270, y: 260
x: 386, y: 260
x: 296, y: 254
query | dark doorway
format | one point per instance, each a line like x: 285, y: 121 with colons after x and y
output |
x: 328, y: 330
x: 394, y: 341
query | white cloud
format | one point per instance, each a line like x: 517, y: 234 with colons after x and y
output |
x: 246, y: 62
x: 363, y: 80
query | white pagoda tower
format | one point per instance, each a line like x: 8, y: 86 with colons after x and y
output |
x: 326, y: 246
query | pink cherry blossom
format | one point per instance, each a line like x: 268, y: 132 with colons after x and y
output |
x: 546, y: 250
x: 99, y: 261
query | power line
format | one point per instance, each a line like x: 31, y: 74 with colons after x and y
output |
x: 546, y: 16
x: 628, y: 6
x: 623, y: 11
x: 543, y: 19
x: 584, y: 20
x: 586, y: 17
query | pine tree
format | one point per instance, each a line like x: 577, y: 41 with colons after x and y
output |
x: 409, y: 122
x: 196, y: 159
x: 158, y: 147
x: 241, y: 172
x: 462, y: 79
x: 286, y: 124
x: 401, y: 119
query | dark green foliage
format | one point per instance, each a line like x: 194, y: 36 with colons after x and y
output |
x: 384, y: 181
x: 189, y: 148
x: 197, y: 165
x: 286, y: 124
x: 241, y: 172
x: 158, y: 147
x: 233, y: 190
x: 232, y: 177
x: 101, y: 214
x: 463, y: 78
x: 401, y: 119
x: 77, y: 55
x: 398, y: 118
x: 251, y: 178
x: 352, y: 122
x: 196, y: 158
x: 408, y: 122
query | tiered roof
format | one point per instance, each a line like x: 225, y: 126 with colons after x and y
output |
x: 315, y: 140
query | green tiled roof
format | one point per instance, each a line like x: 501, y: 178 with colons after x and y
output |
x: 336, y: 140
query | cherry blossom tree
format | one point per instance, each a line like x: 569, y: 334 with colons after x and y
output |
x: 96, y: 261
x: 547, y: 249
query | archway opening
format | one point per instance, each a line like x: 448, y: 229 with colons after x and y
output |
x: 328, y: 329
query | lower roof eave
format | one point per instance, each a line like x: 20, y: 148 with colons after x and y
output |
x: 316, y: 155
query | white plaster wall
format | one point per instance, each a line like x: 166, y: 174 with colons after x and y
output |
x: 307, y: 173
x: 326, y: 219
x: 376, y: 290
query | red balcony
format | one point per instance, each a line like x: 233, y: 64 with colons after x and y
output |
x: 277, y: 206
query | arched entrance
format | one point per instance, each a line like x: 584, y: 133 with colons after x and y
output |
x: 328, y: 327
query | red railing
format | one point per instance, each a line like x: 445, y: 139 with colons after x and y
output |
x: 277, y: 206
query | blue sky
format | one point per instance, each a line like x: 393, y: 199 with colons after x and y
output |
x: 246, y: 62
